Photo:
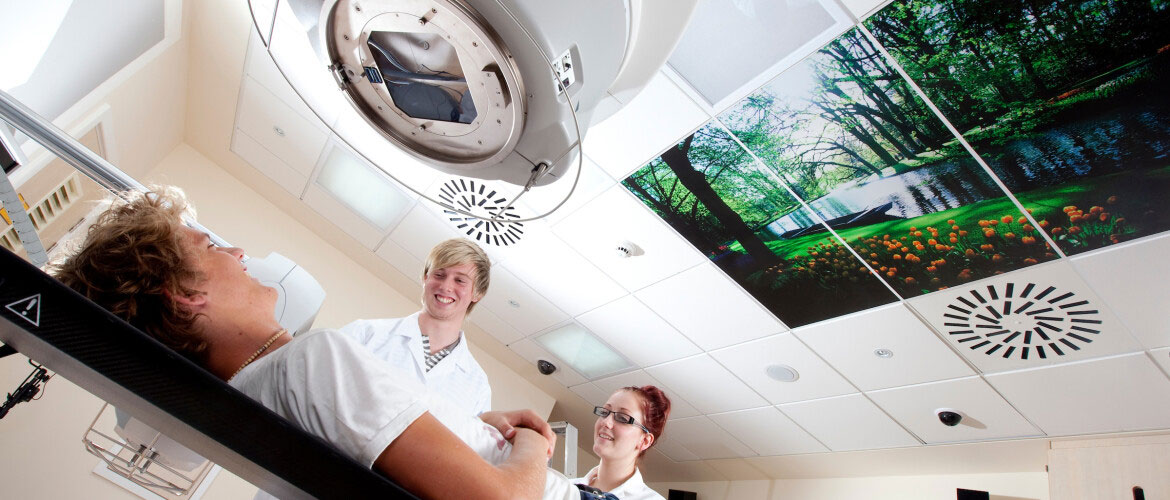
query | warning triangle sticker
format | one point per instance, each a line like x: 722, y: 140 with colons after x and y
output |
x: 28, y: 308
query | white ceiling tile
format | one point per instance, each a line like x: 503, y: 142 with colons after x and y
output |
x: 259, y: 66
x: 541, y: 199
x: 848, y: 344
x: 1117, y: 394
x: 532, y: 352
x: 708, y: 308
x: 402, y: 260
x: 1048, y: 296
x: 707, y: 385
x: 1135, y: 292
x: 1162, y: 357
x: 636, y: 332
x: 517, y: 304
x: 659, y: 116
x: 986, y: 416
x: 750, y: 360
x: 679, y: 407
x: 560, y: 274
x: 419, y: 232
x: 848, y: 423
x: 767, y: 431
x: 615, y: 217
x: 267, y: 163
x: 494, y: 325
x: 705, y: 439
x: 592, y: 396
x: 674, y: 450
x: 860, y: 8
x: 288, y: 135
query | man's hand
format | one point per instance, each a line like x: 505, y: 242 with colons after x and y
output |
x: 507, y: 422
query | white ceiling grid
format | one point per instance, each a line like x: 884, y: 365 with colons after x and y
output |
x: 691, y: 330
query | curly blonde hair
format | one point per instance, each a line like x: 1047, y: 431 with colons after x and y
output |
x: 133, y: 264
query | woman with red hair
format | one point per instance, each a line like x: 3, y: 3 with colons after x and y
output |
x: 629, y: 423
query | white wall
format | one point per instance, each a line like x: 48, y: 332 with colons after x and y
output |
x: 1006, y: 486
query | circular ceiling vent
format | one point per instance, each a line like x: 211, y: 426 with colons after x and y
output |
x: 480, y: 199
x: 1022, y: 320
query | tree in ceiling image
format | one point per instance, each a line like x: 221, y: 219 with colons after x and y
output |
x: 1065, y: 101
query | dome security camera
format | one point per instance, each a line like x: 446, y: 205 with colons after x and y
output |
x: 948, y: 417
x: 545, y: 367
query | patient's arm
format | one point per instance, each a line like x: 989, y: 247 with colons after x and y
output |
x: 431, y: 462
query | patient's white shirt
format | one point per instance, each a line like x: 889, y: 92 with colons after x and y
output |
x: 329, y: 386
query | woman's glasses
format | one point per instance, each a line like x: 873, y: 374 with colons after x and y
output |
x: 619, y: 417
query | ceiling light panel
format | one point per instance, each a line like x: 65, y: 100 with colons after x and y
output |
x: 597, y: 228
x: 404, y: 168
x: 519, y: 305
x: 767, y: 431
x: 986, y: 416
x: 559, y: 273
x: 1121, y: 393
x: 848, y: 423
x: 639, y: 334
x: 703, y: 304
x: 848, y: 343
x: 749, y: 362
x: 1041, y: 315
x: 581, y: 349
x: 707, y: 385
x: 1131, y: 278
x: 679, y: 407
x: 366, y: 190
x: 706, y: 440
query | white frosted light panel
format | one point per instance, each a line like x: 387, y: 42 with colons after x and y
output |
x: 586, y: 353
x: 361, y: 188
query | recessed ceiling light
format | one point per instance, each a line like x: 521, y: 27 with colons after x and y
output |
x: 782, y: 373
x: 883, y: 353
x: 362, y: 188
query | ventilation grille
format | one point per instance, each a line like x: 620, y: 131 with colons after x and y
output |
x: 480, y: 199
x: 1022, y: 320
x: 44, y: 211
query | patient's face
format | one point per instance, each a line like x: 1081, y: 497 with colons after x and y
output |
x: 225, y: 283
x: 613, y: 440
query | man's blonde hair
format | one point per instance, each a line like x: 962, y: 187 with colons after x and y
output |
x: 457, y: 251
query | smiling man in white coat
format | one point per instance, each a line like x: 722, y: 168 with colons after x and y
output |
x: 429, y: 345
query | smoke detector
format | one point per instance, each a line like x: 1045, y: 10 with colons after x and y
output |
x: 627, y: 248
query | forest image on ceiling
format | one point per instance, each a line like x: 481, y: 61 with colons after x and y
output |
x: 837, y: 187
